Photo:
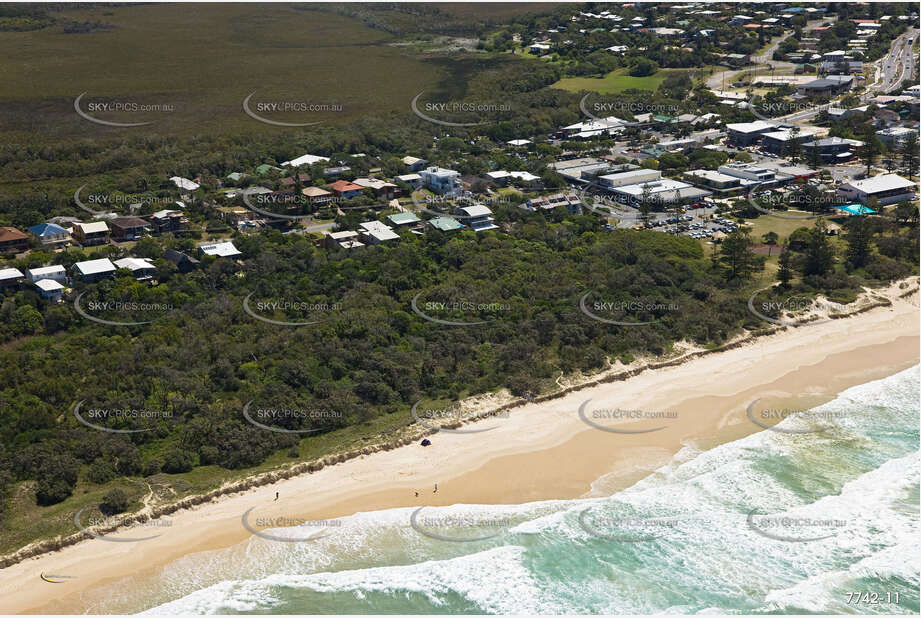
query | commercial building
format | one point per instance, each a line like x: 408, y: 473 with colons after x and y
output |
x: 780, y: 142
x: 716, y: 181
x: 748, y: 133
x: 831, y: 150
x: 894, y: 137
x: 885, y: 189
x: 632, y: 177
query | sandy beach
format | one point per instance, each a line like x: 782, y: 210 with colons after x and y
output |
x: 536, y: 452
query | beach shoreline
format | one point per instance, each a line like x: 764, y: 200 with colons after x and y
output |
x: 539, y: 451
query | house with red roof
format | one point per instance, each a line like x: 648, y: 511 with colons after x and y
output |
x: 345, y: 189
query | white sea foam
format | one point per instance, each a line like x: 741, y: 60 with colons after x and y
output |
x: 711, y: 561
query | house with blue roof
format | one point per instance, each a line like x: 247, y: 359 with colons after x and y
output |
x: 50, y: 235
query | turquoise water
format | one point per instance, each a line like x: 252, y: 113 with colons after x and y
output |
x: 679, y: 541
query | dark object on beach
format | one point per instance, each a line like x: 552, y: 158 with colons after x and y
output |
x: 426, y: 442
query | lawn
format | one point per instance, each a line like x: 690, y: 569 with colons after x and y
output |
x: 619, y: 80
x: 615, y: 81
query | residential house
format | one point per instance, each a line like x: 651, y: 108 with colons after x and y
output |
x: 444, y: 224
x: 93, y: 233
x: 265, y: 168
x: 13, y: 240
x: 50, y: 235
x: 141, y: 268
x: 316, y: 195
x: 184, y: 184
x: 738, y: 60
x: 57, y: 273
x: 413, y: 180
x: 219, y: 249
x: 476, y: 217
x: 375, y: 232
x: 291, y: 181
x: 405, y: 219
x: 335, y: 172
x: 94, y: 270
x: 168, y: 221
x: 413, y: 164
x: 592, y: 128
x: 525, y: 178
x: 236, y: 215
x: 386, y: 190
x: 184, y: 263
x: 10, y: 277
x: 499, y: 177
x: 346, y: 239
x: 307, y: 159
x: 50, y: 290
x: 346, y: 190
x: 129, y: 228
x: 570, y: 201
x: 440, y: 180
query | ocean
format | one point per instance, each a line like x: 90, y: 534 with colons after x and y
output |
x: 819, y: 518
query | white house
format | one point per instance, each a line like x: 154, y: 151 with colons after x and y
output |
x: 184, y: 184
x: 50, y: 289
x: 141, y: 268
x: 94, y: 270
x: 441, y: 180
x: 413, y: 180
x: 376, y: 232
x: 55, y: 273
x: 307, y: 159
x: 10, y: 277
x: 219, y: 249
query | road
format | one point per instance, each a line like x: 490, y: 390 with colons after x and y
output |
x: 898, y: 65
x: 891, y: 70
x: 765, y: 59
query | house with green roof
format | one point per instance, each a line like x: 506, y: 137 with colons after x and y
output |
x: 265, y: 168
x: 404, y: 219
x: 445, y: 224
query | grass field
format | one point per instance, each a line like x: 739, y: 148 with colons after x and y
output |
x: 619, y: 80
x: 615, y: 81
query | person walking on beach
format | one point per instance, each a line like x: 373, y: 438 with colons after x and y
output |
x: 276, y: 495
x: 436, y: 489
